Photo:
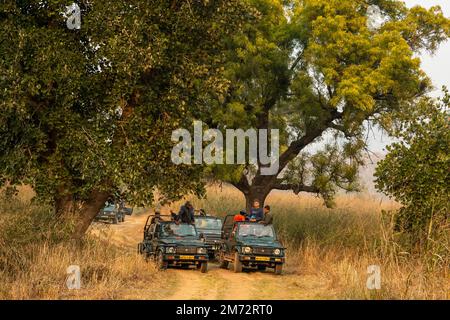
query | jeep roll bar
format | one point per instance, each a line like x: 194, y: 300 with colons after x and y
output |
x: 147, y: 224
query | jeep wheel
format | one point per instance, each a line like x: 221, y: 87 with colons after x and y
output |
x: 222, y: 262
x: 204, y: 267
x: 237, y: 263
x: 115, y: 220
x: 261, y: 268
x: 278, y: 269
x: 162, y: 265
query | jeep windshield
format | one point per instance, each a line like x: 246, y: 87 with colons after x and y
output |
x: 109, y: 208
x: 255, y: 230
x: 178, y: 230
x: 208, y: 223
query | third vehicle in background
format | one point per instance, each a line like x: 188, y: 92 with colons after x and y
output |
x: 124, y: 210
x: 113, y: 212
x: 211, y: 228
x: 110, y: 213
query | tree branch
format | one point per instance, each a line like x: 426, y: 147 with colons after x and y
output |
x: 242, y: 184
x: 296, y: 61
x: 296, y: 188
x: 295, y: 147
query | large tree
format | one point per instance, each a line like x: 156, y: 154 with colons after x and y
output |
x: 322, y: 71
x: 88, y: 112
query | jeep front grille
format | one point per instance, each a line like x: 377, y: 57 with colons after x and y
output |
x: 263, y: 251
x: 186, y: 250
x: 212, y: 239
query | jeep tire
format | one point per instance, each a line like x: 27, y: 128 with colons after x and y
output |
x: 222, y: 262
x: 204, y: 267
x: 162, y: 265
x: 237, y: 266
x: 278, y: 269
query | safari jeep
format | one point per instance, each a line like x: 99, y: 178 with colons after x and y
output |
x: 250, y: 244
x: 211, y: 228
x: 173, y: 244
x: 124, y: 210
x: 110, y: 213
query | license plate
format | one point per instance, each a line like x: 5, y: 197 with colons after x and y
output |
x: 187, y: 257
x: 262, y: 259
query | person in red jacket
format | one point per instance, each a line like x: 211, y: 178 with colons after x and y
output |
x: 239, y: 217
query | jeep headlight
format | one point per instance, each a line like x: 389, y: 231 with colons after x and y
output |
x: 247, y: 250
x: 277, y: 252
x: 201, y: 250
x: 170, y: 249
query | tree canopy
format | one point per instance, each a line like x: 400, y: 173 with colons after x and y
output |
x: 322, y: 69
x: 90, y: 111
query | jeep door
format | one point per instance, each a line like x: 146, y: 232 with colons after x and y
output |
x: 149, y: 238
x: 156, y: 230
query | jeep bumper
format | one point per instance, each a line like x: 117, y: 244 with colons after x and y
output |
x: 261, y: 260
x: 185, y: 258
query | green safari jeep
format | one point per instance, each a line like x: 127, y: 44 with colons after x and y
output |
x: 169, y: 243
x: 250, y: 244
x: 110, y: 213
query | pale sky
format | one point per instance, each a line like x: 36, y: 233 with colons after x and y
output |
x: 437, y: 67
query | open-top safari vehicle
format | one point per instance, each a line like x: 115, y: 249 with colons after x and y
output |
x: 250, y: 244
x: 114, y: 211
x: 111, y: 213
x: 171, y: 243
x: 211, y: 228
x: 124, y: 210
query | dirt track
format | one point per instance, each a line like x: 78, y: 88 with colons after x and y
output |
x: 223, y: 284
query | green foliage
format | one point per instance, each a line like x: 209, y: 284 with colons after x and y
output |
x: 328, y: 170
x: 313, y: 68
x: 416, y: 170
x: 95, y: 108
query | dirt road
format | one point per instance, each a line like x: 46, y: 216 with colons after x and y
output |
x: 224, y: 284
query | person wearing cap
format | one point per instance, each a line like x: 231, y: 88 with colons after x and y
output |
x: 186, y: 213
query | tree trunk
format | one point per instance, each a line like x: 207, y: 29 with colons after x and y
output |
x: 64, y: 203
x: 81, y: 214
x: 255, y: 193
x: 86, y: 214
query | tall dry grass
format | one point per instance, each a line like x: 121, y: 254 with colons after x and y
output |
x: 35, y: 254
x: 324, y: 246
x: 337, y: 245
